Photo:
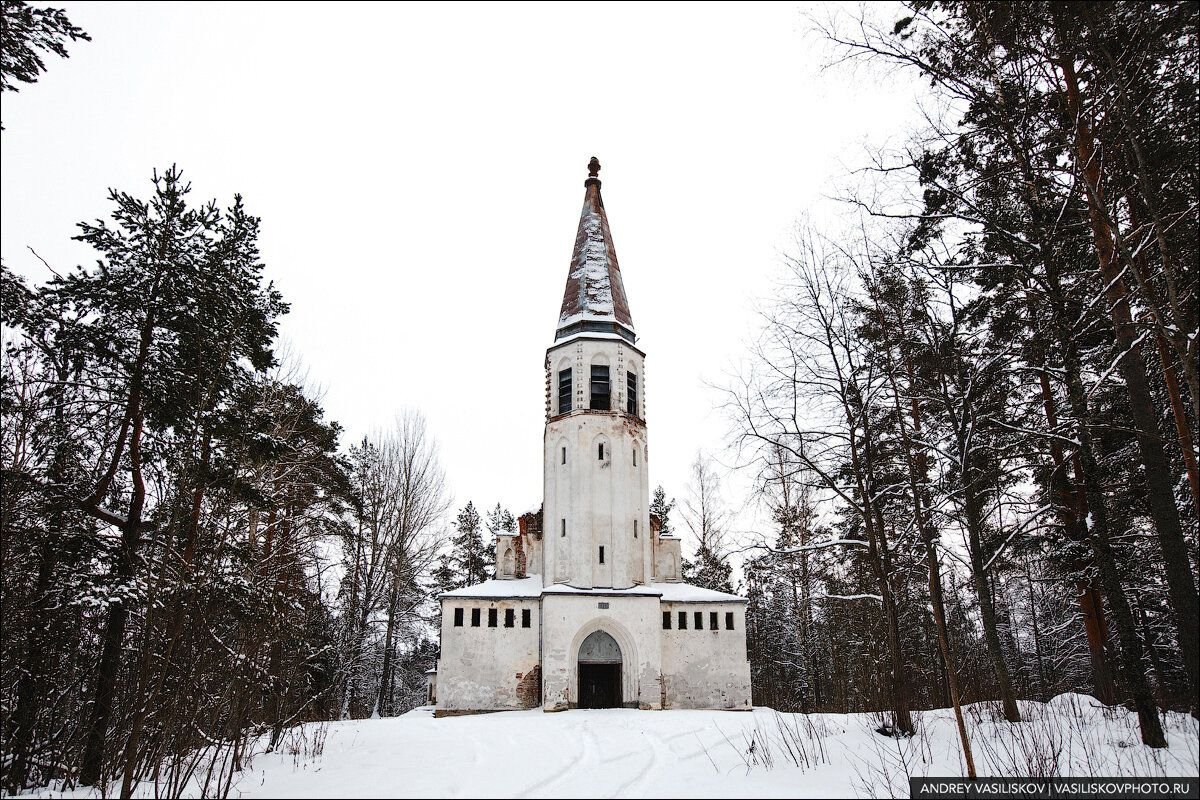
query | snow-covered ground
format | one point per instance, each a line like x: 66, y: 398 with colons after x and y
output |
x: 624, y: 753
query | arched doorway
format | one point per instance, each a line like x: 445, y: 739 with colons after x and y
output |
x: 599, y: 672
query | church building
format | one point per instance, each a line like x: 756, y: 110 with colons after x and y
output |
x: 588, y: 609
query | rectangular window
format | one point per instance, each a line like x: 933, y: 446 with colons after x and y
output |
x: 728, y: 620
x: 699, y: 615
x: 564, y: 528
x: 601, y: 554
x: 564, y: 390
x: 525, y: 618
x: 492, y: 614
x: 564, y: 456
x: 712, y: 621
x: 474, y: 617
x: 631, y: 393
x: 458, y: 617
x: 600, y: 452
x: 510, y: 617
x: 601, y: 388
x: 666, y: 620
x: 683, y: 620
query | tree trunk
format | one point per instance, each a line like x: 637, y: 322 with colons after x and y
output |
x: 118, y: 616
x: 30, y: 686
x: 1071, y: 508
x: 1181, y: 587
x: 873, y: 520
x: 973, y: 516
x: 1106, y: 562
x: 385, y: 679
x: 1043, y: 690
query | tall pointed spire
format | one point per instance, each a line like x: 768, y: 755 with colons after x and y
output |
x: 594, y: 299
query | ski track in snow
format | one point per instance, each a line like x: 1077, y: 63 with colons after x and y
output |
x: 636, y: 785
x: 554, y: 779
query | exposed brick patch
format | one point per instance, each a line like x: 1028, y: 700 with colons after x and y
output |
x: 529, y: 690
x: 519, y: 549
x: 530, y: 524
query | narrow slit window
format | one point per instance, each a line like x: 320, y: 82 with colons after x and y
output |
x: 635, y: 525
x: 713, y: 625
x: 601, y: 388
x: 475, y: 614
x: 564, y: 455
x: 510, y: 617
x: 728, y: 620
x: 458, y: 617
x: 683, y: 620
x: 492, y: 615
x: 666, y: 620
x: 631, y: 404
x: 600, y: 452
x: 601, y: 554
x: 635, y: 455
x: 699, y: 615
x: 564, y: 528
x: 525, y: 618
x: 564, y: 390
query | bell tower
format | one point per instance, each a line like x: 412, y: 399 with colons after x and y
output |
x: 596, y: 518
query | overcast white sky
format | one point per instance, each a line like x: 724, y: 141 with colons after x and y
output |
x: 419, y: 173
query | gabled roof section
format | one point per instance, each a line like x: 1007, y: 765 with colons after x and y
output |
x: 594, y: 300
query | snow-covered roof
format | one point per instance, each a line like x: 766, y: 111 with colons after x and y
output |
x: 687, y: 593
x: 668, y: 592
x: 594, y: 290
x: 532, y: 587
x: 518, y: 587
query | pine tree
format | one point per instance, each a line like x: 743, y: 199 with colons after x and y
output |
x: 661, y: 507
x: 25, y: 30
x: 499, y: 520
x: 471, y: 560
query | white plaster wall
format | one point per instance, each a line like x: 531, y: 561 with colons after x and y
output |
x: 599, y: 499
x: 705, y: 668
x: 668, y: 560
x: 505, y: 544
x: 634, y: 622
x: 479, y: 668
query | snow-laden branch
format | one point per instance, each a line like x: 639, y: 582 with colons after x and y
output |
x: 875, y: 597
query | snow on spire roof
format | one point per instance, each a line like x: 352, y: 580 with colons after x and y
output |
x: 594, y: 299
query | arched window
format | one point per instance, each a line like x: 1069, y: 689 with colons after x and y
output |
x: 601, y: 385
x: 565, y: 387
x: 508, y: 563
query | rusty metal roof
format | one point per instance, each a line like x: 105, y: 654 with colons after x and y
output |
x: 594, y: 300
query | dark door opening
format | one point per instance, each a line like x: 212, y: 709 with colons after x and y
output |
x: 600, y: 671
x: 599, y: 685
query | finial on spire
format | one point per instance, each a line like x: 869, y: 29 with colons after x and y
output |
x: 593, y: 172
